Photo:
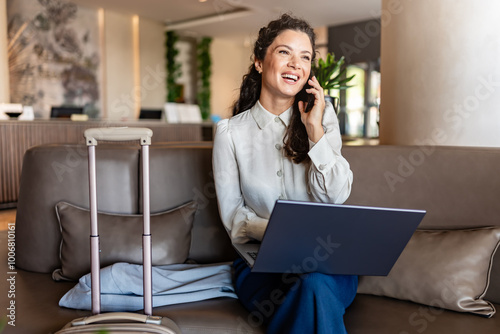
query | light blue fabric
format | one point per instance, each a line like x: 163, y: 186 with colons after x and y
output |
x: 121, y: 286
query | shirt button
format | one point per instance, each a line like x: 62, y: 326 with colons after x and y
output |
x: 277, y: 120
x: 279, y: 173
x: 278, y: 146
x: 322, y: 166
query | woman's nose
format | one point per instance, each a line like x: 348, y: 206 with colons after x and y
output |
x: 294, y: 63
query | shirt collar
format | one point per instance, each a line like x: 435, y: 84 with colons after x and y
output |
x: 263, y: 117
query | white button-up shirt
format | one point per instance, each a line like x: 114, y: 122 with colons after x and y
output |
x: 251, y: 170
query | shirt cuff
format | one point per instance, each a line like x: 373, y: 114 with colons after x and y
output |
x: 321, y: 154
x: 256, y: 227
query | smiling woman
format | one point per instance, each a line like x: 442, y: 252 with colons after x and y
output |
x: 283, y: 142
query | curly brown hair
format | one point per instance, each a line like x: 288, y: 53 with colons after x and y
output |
x: 296, y: 143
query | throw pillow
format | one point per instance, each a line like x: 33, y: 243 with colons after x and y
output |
x: 442, y: 268
x: 121, y: 238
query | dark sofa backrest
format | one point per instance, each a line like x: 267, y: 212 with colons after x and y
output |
x: 179, y: 175
x: 459, y: 187
x: 53, y: 173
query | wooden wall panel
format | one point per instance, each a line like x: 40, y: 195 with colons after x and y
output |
x: 18, y: 136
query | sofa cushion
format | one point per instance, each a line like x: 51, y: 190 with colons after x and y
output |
x: 58, y: 172
x: 120, y: 238
x: 442, y: 268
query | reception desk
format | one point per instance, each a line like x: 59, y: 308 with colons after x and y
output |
x: 18, y: 136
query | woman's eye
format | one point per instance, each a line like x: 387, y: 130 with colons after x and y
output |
x: 285, y: 52
x: 307, y: 58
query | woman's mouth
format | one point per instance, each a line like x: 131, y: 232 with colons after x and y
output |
x: 291, y: 78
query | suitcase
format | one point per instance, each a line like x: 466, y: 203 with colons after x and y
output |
x: 120, y: 322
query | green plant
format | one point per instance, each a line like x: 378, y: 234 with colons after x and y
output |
x: 174, y: 91
x: 331, y: 73
x: 205, y: 71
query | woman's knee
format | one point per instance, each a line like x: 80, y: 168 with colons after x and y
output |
x: 344, y: 287
x: 313, y: 280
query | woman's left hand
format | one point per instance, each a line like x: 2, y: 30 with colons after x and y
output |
x: 313, y: 119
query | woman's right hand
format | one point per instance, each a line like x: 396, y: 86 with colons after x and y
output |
x: 312, y: 120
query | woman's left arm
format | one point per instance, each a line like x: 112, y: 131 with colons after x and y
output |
x: 329, y: 176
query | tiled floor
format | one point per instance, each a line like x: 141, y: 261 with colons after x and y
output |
x: 7, y: 216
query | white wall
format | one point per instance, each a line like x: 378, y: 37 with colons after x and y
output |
x: 119, y: 71
x: 440, y: 72
x: 230, y: 61
x: 123, y: 90
x: 321, y: 42
x: 4, y: 63
x: 152, y: 64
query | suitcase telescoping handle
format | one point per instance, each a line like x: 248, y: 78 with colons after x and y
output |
x: 143, y: 135
x: 92, y: 136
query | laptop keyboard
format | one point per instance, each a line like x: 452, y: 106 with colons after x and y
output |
x: 253, y: 255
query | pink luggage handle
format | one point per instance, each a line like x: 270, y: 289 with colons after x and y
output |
x: 118, y: 134
x: 92, y: 136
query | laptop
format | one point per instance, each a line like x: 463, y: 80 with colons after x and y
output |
x: 304, y: 237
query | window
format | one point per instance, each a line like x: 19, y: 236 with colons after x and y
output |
x: 359, y: 105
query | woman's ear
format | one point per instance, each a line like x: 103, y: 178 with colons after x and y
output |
x: 258, y: 66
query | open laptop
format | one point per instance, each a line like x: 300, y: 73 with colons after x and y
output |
x: 332, y: 239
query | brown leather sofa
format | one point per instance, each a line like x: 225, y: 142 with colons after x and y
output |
x: 459, y: 188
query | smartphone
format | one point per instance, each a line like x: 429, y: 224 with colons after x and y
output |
x: 305, y: 96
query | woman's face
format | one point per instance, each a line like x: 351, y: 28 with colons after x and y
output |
x: 286, y: 66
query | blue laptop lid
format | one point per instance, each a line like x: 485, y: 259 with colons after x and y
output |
x: 335, y: 239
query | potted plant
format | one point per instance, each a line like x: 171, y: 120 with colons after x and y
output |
x: 330, y: 74
x: 205, y: 71
x: 174, y: 72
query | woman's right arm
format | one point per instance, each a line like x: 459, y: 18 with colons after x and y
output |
x: 240, y: 221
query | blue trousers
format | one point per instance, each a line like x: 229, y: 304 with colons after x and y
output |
x: 295, y: 303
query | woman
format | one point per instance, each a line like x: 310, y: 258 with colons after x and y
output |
x: 282, y: 142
